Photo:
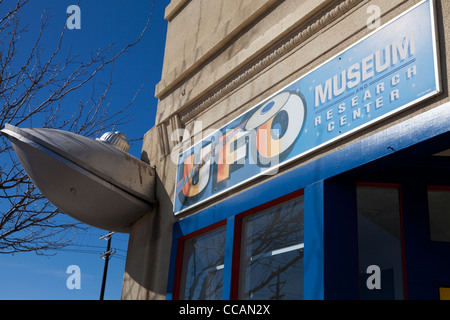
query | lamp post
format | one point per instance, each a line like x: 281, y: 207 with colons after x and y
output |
x: 106, y: 255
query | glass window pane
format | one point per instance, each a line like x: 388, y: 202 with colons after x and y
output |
x: 202, y: 270
x: 439, y: 210
x: 271, y: 263
x: 379, y: 243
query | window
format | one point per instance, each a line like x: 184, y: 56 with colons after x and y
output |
x: 380, y: 242
x: 271, y: 253
x: 257, y: 254
x: 439, y: 213
x: 202, y: 266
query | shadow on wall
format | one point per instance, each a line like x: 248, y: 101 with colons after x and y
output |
x: 150, y: 242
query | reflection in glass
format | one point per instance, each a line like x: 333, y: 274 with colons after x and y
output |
x: 379, y: 242
x: 271, y: 263
x: 203, y: 262
x: 439, y: 211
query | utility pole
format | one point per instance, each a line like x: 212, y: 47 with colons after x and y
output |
x: 278, y: 295
x: 106, y: 256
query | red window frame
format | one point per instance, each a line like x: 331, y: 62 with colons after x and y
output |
x: 438, y: 188
x: 180, y: 253
x: 236, y: 257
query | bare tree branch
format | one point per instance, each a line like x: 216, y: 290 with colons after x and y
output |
x: 33, y: 89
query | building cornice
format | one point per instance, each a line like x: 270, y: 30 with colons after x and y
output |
x: 266, y: 60
x: 250, y: 71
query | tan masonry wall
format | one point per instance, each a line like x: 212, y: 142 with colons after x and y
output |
x: 222, y: 58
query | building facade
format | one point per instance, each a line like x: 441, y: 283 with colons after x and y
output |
x: 301, y: 152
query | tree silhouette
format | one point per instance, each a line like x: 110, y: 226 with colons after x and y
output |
x: 32, y: 91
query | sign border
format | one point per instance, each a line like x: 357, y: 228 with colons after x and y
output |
x: 437, y: 69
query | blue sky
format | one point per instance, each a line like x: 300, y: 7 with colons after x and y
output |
x: 26, y: 275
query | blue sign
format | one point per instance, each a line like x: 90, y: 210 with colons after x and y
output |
x: 389, y: 70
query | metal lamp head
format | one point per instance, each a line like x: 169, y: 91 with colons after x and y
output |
x: 116, y: 139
